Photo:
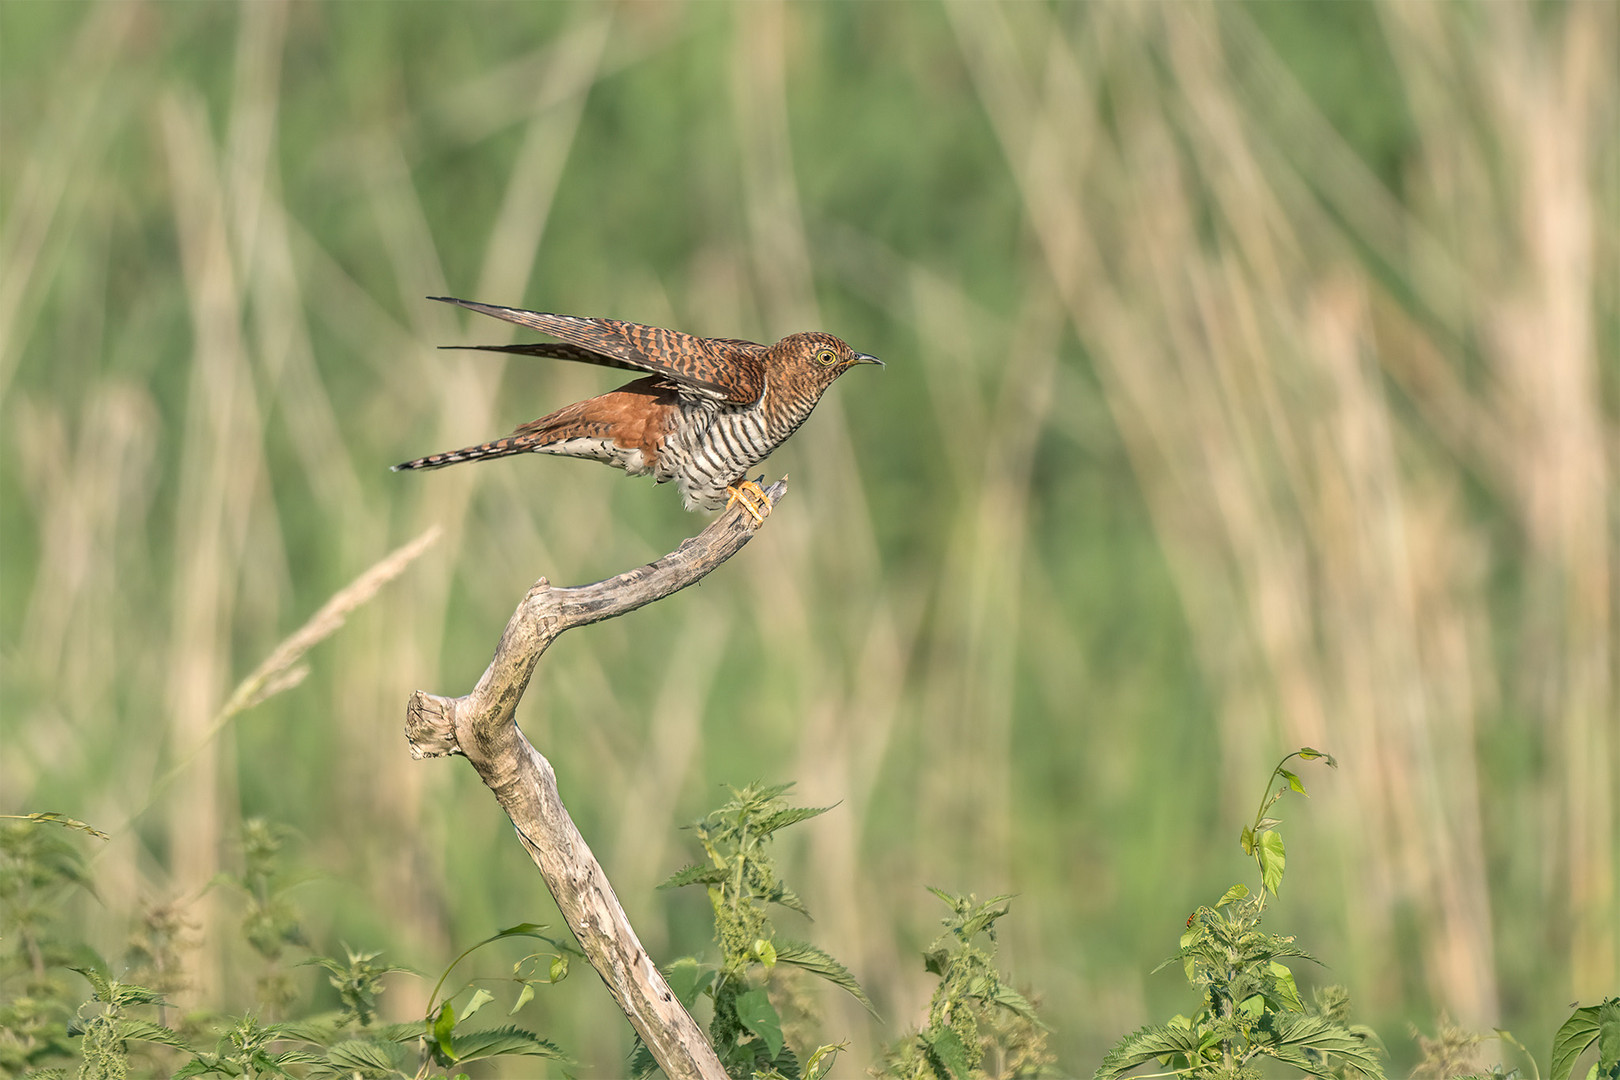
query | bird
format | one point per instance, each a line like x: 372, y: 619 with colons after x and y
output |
x: 706, y: 411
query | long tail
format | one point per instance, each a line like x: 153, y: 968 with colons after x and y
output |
x: 510, y: 444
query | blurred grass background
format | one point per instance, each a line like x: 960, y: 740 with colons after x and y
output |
x: 1252, y: 383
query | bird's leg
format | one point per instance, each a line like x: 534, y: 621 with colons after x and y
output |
x: 753, y: 499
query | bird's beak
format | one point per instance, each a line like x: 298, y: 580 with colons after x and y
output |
x: 864, y: 358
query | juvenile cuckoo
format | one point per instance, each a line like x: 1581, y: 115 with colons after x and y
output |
x: 709, y: 409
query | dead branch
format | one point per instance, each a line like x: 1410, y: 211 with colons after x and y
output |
x: 482, y: 726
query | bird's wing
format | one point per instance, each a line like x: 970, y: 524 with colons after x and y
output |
x: 725, y: 370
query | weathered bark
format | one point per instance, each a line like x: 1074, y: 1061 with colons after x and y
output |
x: 482, y: 726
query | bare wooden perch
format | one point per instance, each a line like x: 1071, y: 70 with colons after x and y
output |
x: 482, y: 725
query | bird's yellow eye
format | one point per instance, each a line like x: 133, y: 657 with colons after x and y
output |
x: 826, y: 358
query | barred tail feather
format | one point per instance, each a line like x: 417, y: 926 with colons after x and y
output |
x: 499, y: 448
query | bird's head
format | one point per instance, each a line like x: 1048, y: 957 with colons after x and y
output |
x: 816, y: 358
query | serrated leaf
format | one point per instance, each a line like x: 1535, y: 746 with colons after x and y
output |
x: 194, y: 1067
x: 100, y: 984
x: 146, y: 1031
x: 802, y: 954
x: 791, y: 816
x: 365, y: 1054
x: 1272, y: 860
x: 402, y: 1032
x: 1013, y: 1001
x: 758, y: 1015
x: 480, y: 998
x: 1145, y: 1044
x: 642, y: 1063
x: 503, y: 1042
x: 790, y: 900
x: 318, y: 1030
x: 1574, y: 1036
x: 1297, y: 1033
x: 946, y: 1046
x: 695, y: 874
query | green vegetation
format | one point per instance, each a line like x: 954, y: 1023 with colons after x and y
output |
x: 978, y: 1026
x: 1251, y: 384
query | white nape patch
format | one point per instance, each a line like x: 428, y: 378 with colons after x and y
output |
x: 632, y: 461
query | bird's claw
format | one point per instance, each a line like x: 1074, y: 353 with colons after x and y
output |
x: 753, y: 499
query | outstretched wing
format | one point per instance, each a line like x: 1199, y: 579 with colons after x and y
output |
x: 726, y: 370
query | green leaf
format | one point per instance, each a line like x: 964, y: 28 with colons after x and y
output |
x: 1296, y: 1033
x: 1287, y: 989
x: 1013, y: 1001
x: 443, y: 1029
x: 365, y: 1055
x: 1608, y: 1063
x: 525, y: 996
x: 404, y: 1032
x: 480, y: 998
x: 522, y: 929
x: 99, y: 983
x: 1577, y: 1033
x: 687, y: 979
x: 559, y: 968
x: 642, y: 1063
x: 146, y: 1031
x: 791, y: 816
x: 766, y: 952
x: 757, y: 1014
x: 812, y: 959
x: 1246, y: 838
x: 1272, y: 859
x: 1293, y: 780
x: 790, y: 900
x: 503, y: 1042
x: 947, y: 1047
x: 695, y: 874
x: 1145, y: 1044
x: 1236, y: 892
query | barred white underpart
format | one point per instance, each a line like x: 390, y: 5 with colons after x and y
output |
x: 711, y: 448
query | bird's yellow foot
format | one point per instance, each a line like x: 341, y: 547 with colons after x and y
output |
x: 753, y: 499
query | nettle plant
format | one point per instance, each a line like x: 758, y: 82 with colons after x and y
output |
x: 740, y: 876
x: 978, y: 1026
x: 1250, y: 1005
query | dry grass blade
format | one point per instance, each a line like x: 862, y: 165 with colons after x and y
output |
x: 268, y: 677
x: 50, y: 817
x: 281, y: 670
